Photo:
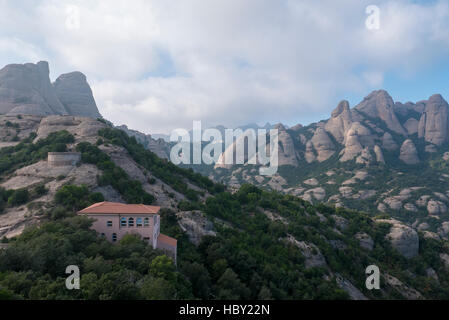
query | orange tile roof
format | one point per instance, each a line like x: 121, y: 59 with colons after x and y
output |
x: 118, y: 208
x: 168, y: 240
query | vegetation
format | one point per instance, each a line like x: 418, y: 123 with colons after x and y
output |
x: 27, y: 152
x: 252, y: 255
x: 171, y: 174
x: 131, y: 190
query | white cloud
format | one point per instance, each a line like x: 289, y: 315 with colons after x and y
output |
x: 158, y: 65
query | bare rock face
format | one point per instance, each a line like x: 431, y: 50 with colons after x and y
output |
x: 379, y: 154
x: 436, y: 207
x: 434, y: 122
x: 286, y: 153
x: 159, y: 147
x: 356, y: 138
x: 26, y: 89
x: 406, y: 291
x: 310, y: 155
x: 379, y: 104
x: 411, y: 125
x: 403, y: 238
x: 340, y: 121
x: 365, y: 240
x: 365, y: 157
x: 75, y: 94
x: 196, y: 225
x: 323, y: 145
x: 388, y: 142
x: 409, y: 154
x: 80, y: 127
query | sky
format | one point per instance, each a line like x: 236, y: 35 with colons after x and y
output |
x: 157, y: 65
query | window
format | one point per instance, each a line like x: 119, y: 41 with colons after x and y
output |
x: 131, y: 222
x: 139, y: 222
x: 103, y: 235
x: 146, y: 222
x: 114, y: 237
x: 123, y: 222
x: 109, y: 223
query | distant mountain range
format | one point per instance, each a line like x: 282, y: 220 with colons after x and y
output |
x: 380, y: 156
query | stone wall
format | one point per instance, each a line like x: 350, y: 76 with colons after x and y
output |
x: 57, y: 159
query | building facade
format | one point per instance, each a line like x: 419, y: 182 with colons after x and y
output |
x: 113, y: 220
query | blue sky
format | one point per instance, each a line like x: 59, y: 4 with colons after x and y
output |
x: 159, y: 65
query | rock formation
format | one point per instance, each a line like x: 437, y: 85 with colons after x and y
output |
x: 403, y: 238
x: 25, y: 89
x: 434, y: 122
x: 379, y: 104
x: 323, y: 145
x: 408, y: 152
x: 75, y: 94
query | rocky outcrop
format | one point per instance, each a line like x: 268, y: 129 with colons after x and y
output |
x: 365, y: 240
x: 356, y: 138
x: 403, y: 238
x: 411, y: 125
x: 379, y: 104
x: 388, y: 142
x: 379, y: 154
x: 75, y: 94
x: 323, y: 145
x: 286, y: 153
x: 409, y: 154
x: 196, y: 225
x: 406, y: 291
x: 25, y: 89
x: 310, y: 155
x: 434, y: 122
x: 159, y: 146
x: 436, y: 207
x: 340, y: 121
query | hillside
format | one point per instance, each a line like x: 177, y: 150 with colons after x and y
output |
x: 380, y: 156
x: 249, y: 244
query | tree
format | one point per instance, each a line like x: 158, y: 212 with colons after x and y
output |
x: 157, y: 289
x: 230, y: 287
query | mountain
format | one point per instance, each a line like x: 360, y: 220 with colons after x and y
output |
x: 236, y: 242
x: 247, y: 244
x: 26, y: 89
x: 380, y: 156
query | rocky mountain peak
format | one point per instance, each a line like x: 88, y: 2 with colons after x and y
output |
x: 379, y: 104
x: 280, y: 127
x: 75, y: 94
x: 434, y: 122
x: 342, y: 106
x: 26, y: 89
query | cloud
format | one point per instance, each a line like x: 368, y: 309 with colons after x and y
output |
x: 158, y: 65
